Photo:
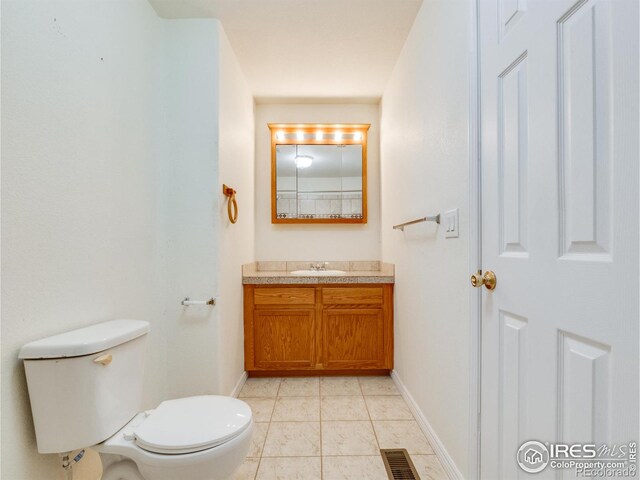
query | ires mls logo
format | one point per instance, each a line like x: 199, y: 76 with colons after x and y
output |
x: 533, y: 456
x: 586, y: 459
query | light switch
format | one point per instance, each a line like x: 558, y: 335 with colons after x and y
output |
x: 450, y: 223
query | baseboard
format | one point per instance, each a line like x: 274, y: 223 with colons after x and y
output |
x: 445, y: 459
x: 319, y: 373
x: 239, y: 385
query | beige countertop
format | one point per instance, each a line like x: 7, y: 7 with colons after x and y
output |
x: 275, y: 273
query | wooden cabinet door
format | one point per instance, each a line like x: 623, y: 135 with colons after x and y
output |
x: 284, y: 338
x: 353, y: 338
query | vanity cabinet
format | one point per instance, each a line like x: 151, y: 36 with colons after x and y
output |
x: 318, y: 329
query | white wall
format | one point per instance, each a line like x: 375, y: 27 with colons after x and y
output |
x: 236, y: 241
x: 425, y: 157
x: 209, y: 96
x: 315, y: 242
x: 117, y: 131
x: 191, y: 86
x: 80, y: 234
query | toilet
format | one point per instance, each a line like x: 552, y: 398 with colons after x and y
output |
x: 85, y: 389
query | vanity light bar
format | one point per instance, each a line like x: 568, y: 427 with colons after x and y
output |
x: 318, y: 136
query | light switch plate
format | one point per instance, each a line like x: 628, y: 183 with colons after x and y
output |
x: 450, y: 223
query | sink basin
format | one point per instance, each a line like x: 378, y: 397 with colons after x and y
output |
x: 317, y: 273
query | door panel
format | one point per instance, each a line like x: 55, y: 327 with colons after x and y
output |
x: 510, y: 12
x: 512, y: 394
x: 559, y: 163
x: 584, y: 408
x: 512, y: 159
x: 353, y: 338
x: 584, y: 112
x: 284, y: 338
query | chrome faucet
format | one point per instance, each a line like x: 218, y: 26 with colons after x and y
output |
x: 319, y: 267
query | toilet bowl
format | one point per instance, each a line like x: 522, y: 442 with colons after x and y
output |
x: 195, y: 438
x: 85, y: 389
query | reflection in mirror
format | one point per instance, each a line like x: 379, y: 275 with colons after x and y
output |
x: 319, y: 181
x: 318, y: 173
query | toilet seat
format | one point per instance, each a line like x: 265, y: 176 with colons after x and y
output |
x: 188, y: 425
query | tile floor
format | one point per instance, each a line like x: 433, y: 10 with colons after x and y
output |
x: 330, y: 428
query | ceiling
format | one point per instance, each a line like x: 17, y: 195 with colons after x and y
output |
x: 301, y: 50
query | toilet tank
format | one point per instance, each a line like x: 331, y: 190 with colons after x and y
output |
x: 86, y: 384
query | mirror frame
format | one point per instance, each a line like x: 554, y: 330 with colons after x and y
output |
x: 289, y: 132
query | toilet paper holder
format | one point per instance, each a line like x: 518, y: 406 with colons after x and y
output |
x: 187, y: 301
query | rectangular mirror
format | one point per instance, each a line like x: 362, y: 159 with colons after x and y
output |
x: 318, y: 173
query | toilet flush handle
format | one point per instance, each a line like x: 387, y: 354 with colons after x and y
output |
x: 103, y: 359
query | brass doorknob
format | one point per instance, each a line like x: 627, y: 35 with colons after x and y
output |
x: 488, y: 280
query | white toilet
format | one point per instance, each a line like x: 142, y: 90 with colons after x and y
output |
x: 85, y: 388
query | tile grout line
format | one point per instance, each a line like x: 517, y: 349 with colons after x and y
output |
x: 303, y: 456
x: 369, y: 415
x: 320, y: 414
x: 335, y: 421
x: 266, y: 435
x: 337, y: 455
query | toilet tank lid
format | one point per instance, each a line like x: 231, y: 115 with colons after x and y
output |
x: 85, y: 341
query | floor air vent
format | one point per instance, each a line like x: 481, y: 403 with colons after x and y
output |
x: 399, y: 465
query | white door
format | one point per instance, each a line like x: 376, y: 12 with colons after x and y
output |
x: 559, y: 166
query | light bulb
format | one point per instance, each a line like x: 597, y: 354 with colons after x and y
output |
x: 357, y: 136
x: 304, y: 161
x: 318, y: 135
x: 280, y: 135
x: 338, y: 136
x: 300, y: 136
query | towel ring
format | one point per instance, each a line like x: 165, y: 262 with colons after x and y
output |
x: 232, y: 204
